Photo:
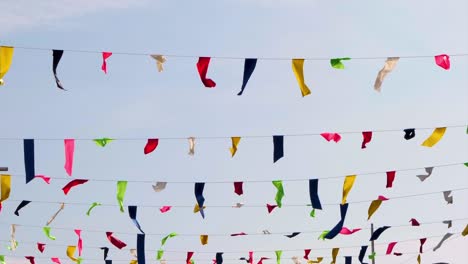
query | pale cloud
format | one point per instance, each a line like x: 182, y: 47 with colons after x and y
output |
x: 24, y: 14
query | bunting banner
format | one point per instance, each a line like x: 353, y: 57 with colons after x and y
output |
x: 141, y: 249
x: 376, y: 234
x: 293, y: 234
x: 409, y: 133
x: 132, y: 212
x: 165, y: 209
x: 306, y: 253
x: 421, y: 244
x: 318, y: 260
x: 199, y: 186
x: 163, y: 242
x: 69, y: 153
x: 13, y: 243
x: 414, y: 222
x: 331, y: 136
x: 160, y: 60
x: 202, y: 66
x: 435, y: 137
x: 465, y: 231
x: 249, y: 67
x: 278, y: 147
x: 446, y: 236
x: 336, y: 230
x: 52, y: 218
x: 347, y: 185
x: 31, y: 259
x: 390, y: 64
x: 46, y: 179
x: 279, y: 192
x: 73, y: 184
x: 423, y: 177
x: 348, y: 260
x: 93, y: 205
x: 114, y: 241
x: 448, y: 223
x: 235, y: 142
x: 390, y: 248
x: 28, y: 146
x: 57, y: 56
x: 71, y: 253
x: 6, y: 58
x: 121, y: 189
x: 346, y: 231
x: 105, y: 56
x: 298, y: 69
x: 55, y: 260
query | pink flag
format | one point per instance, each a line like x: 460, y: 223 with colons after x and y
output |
x: 56, y: 260
x: 331, y: 136
x: 382, y: 198
x: 45, y: 178
x: 346, y: 231
x: 443, y: 60
x: 105, y: 56
x: 69, y: 152
x: 366, y: 138
x: 390, y: 248
x: 390, y: 178
x: 262, y: 259
x: 80, y: 241
x: 165, y: 209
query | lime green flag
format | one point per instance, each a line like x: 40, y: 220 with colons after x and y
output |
x: 121, y: 188
x: 46, y: 230
x: 280, y: 193
x: 278, y: 256
x: 160, y: 254
x: 2, y: 259
x: 102, y: 142
x: 337, y: 63
x: 312, y: 213
x: 92, y: 207
x: 171, y: 235
x: 324, y: 234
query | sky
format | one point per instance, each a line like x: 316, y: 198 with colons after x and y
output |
x: 135, y: 102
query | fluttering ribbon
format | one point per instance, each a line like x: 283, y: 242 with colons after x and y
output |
x: 204, y: 239
x: 28, y: 147
x: 141, y: 249
x: 72, y: 184
x: 278, y: 254
x: 443, y: 61
x: 114, y: 241
x: 390, y: 64
x: 376, y: 234
x: 314, y: 197
x: 279, y: 192
x: 429, y: 173
x: 390, y: 178
x: 102, y: 142
x: 189, y: 260
x: 421, y: 244
x: 219, y: 258
x: 202, y: 67
x: 278, y: 147
x: 88, y: 213
x: 69, y: 153
x: 298, y: 69
x: 80, y: 241
x: 132, y: 212
x: 435, y: 137
x: 414, y: 222
x: 46, y: 179
x: 106, y: 251
x: 151, y: 145
x: 105, y: 56
x: 5, y: 187
x: 334, y: 254
x: 249, y: 67
x: 160, y: 60
x: 165, y: 209
x: 238, y: 188
x: 448, y: 223
x: 6, y: 58
x: 375, y: 204
x: 159, y: 186
x: 62, y: 206
x: 71, y: 253
x: 31, y: 259
x: 46, y: 230
x: 331, y: 136
x: 346, y: 231
x: 347, y: 185
x: 448, y: 197
x: 191, y: 146
x: 390, y: 248
x: 199, y: 187
x: 337, y: 63
x: 41, y: 247
x: 337, y: 228
x: 409, y: 133
x: 446, y: 236
x: 362, y: 254
x: 294, y: 234
x: 366, y: 138
x: 57, y: 56
x: 235, y: 142
x: 121, y: 189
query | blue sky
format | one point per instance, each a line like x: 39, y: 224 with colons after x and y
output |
x: 135, y: 101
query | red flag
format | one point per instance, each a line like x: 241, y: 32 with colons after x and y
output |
x: 306, y: 253
x: 331, y: 136
x: 390, y: 248
x: 105, y: 55
x: 422, y: 241
x: 262, y: 259
x: 238, y: 188
x: 31, y: 259
x: 271, y: 207
x: 202, y: 66
x: 414, y: 222
x: 189, y: 257
x: 41, y: 247
x: 80, y: 241
x: 366, y: 138
x: 151, y: 145
x: 239, y: 234
x: 390, y: 178
x: 443, y: 60
x: 45, y: 178
x: 117, y: 243
x: 72, y: 184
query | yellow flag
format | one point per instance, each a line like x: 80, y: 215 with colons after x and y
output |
x: 465, y: 231
x: 196, y: 209
x: 5, y: 186
x: 6, y: 57
x: 348, y: 184
x: 133, y: 261
x: 419, y: 259
x: 435, y: 137
x: 204, y: 239
x: 319, y: 260
x: 298, y: 68
x: 334, y: 254
x: 71, y: 253
x: 235, y: 142
x: 373, y: 207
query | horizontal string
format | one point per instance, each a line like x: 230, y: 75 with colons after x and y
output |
x: 226, y: 57
x: 254, y: 181
x: 228, y: 137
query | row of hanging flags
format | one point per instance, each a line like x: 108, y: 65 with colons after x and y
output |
x: 6, y: 58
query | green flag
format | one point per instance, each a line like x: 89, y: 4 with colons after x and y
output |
x: 121, y: 188
x: 337, y: 63
x: 92, y: 207
x: 280, y: 193
x: 46, y: 230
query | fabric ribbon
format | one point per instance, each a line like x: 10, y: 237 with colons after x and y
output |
x: 41, y: 247
x: 69, y: 153
x: 202, y: 67
x: 132, y: 212
x: 313, y: 194
x: 347, y: 185
x: 331, y: 136
x: 191, y: 146
x: 446, y: 236
x: 114, y: 241
x: 336, y: 230
x: 238, y: 188
x: 249, y: 67
x: 376, y: 234
x: 366, y: 138
x: 429, y: 173
x: 435, y: 137
x: 448, y: 197
x: 409, y: 133
x: 28, y: 147
x: 199, y: 187
x: 102, y: 142
x: 88, y: 213
x: 121, y: 189
x: 390, y: 64
x: 72, y: 184
x: 57, y: 56
x: 151, y: 145
x: 443, y: 61
x: 235, y: 142
x: 141, y: 249
x: 62, y: 206
x: 204, y: 239
x: 160, y: 60
x: 6, y: 58
x: 105, y: 56
x: 80, y: 241
x: 337, y: 63
x: 375, y: 204
x: 278, y: 147
x: 160, y: 186
x: 46, y: 230
x: 298, y: 69
x: 279, y: 193
x: 390, y: 178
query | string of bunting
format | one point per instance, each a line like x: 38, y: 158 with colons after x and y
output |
x: 442, y: 60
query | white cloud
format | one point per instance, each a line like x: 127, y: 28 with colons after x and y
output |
x: 21, y: 14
